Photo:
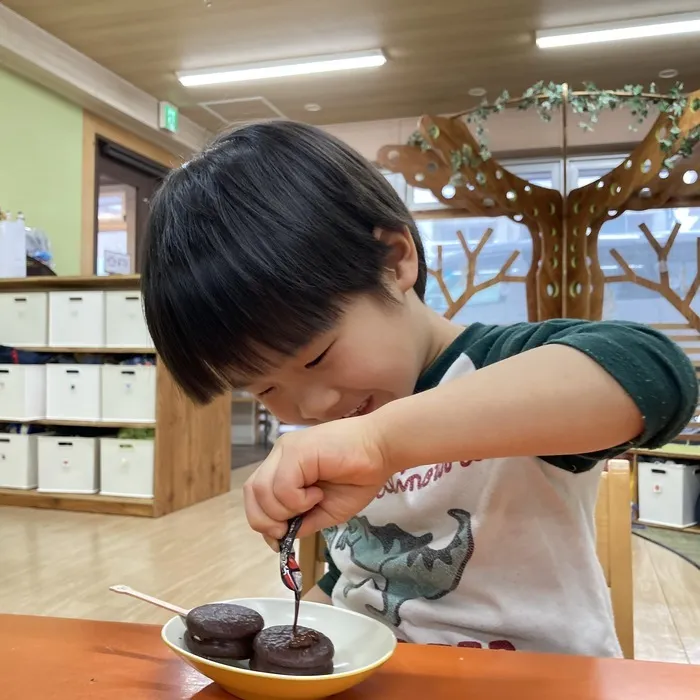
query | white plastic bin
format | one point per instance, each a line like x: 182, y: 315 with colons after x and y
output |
x: 24, y: 319
x: 126, y: 467
x: 73, y: 392
x: 668, y: 493
x: 77, y: 319
x: 129, y: 393
x: 18, y: 461
x: 22, y: 392
x: 68, y: 465
x: 125, y: 322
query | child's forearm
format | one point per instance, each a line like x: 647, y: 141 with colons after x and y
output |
x: 553, y: 400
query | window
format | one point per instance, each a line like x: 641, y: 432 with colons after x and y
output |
x: 626, y: 300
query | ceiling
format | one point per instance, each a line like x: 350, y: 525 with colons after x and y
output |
x: 437, y: 51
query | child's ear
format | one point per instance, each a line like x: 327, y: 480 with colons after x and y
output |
x: 402, y: 259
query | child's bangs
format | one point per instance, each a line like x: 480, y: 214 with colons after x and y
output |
x: 216, y: 336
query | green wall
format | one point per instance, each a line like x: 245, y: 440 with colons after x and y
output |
x: 41, y: 143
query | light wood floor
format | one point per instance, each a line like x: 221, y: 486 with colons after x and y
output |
x: 55, y: 563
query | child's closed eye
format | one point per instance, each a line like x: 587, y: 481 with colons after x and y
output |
x: 317, y: 361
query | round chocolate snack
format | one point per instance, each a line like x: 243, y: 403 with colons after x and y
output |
x: 279, y: 650
x: 222, y: 630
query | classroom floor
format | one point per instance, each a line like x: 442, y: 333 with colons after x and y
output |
x: 60, y: 563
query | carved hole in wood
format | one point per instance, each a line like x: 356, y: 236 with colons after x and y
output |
x: 645, y: 193
x: 488, y: 202
x: 575, y: 288
x: 646, y: 166
x: 600, y: 184
x: 535, y: 211
x: 552, y: 208
x: 553, y: 232
x: 572, y: 263
x: 574, y: 231
x: 518, y: 218
x: 553, y: 290
x: 661, y: 133
x: 589, y: 231
x: 555, y: 247
x: 663, y: 174
x: 628, y: 164
x: 528, y: 189
x: 615, y: 189
x: 448, y: 191
x: 393, y: 155
x: 431, y: 167
x: 419, y: 177
x: 499, y: 174
x: 470, y: 187
x: 511, y: 195
x: 690, y: 177
x: 480, y: 178
x: 592, y: 208
x: 572, y: 248
x: 554, y: 263
x: 576, y: 208
x: 612, y: 212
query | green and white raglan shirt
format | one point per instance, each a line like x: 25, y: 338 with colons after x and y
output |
x: 501, y: 553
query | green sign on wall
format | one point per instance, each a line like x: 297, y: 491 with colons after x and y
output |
x: 168, y: 117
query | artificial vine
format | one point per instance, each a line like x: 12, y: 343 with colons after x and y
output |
x: 547, y: 98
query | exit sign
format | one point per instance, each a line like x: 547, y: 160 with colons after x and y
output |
x: 168, y: 117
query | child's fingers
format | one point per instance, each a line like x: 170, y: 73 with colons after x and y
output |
x: 258, y: 519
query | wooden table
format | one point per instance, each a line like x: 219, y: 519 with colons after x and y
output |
x: 54, y: 659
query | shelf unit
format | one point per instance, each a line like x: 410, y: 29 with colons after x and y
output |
x: 192, y: 443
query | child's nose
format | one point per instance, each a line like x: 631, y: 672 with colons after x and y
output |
x: 319, y: 404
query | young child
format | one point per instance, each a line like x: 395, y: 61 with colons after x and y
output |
x: 457, y: 494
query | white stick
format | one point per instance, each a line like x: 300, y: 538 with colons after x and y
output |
x: 125, y: 590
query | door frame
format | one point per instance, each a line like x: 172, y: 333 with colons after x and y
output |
x: 93, y: 128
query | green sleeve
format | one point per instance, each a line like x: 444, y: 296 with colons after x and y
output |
x: 652, y: 369
x: 327, y: 582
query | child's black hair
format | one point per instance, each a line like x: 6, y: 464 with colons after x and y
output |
x: 257, y: 244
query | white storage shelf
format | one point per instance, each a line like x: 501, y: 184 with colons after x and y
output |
x: 73, y: 392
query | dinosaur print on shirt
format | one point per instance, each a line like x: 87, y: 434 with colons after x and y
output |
x: 403, y: 566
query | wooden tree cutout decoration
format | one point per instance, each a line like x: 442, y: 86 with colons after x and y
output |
x: 565, y: 278
x: 471, y: 288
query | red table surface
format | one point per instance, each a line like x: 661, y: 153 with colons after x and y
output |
x: 45, y: 658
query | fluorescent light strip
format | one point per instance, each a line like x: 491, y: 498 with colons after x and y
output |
x: 283, y: 69
x: 668, y: 25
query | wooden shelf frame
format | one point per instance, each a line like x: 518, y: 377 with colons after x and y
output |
x: 192, y: 443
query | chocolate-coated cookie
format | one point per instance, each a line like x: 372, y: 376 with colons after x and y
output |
x: 279, y: 650
x: 235, y: 649
x: 223, y: 621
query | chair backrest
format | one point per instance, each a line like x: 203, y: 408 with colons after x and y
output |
x: 613, y: 543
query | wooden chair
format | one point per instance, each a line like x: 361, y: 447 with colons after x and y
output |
x: 614, y: 547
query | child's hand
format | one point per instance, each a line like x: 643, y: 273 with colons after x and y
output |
x: 330, y: 472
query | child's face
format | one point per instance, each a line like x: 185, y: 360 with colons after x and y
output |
x: 370, y: 358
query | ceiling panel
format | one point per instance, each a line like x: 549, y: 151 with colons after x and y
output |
x: 436, y: 51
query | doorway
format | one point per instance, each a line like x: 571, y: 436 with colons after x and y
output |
x: 125, y: 183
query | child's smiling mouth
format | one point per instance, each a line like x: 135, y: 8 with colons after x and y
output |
x: 359, y: 410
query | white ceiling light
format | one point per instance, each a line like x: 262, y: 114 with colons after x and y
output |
x: 476, y: 91
x: 668, y: 73
x: 283, y: 69
x: 666, y: 25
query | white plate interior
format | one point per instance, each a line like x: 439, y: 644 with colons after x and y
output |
x: 359, y: 641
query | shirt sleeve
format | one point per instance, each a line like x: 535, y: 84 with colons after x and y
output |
x: 651, y: 368
x: 327, y: 582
